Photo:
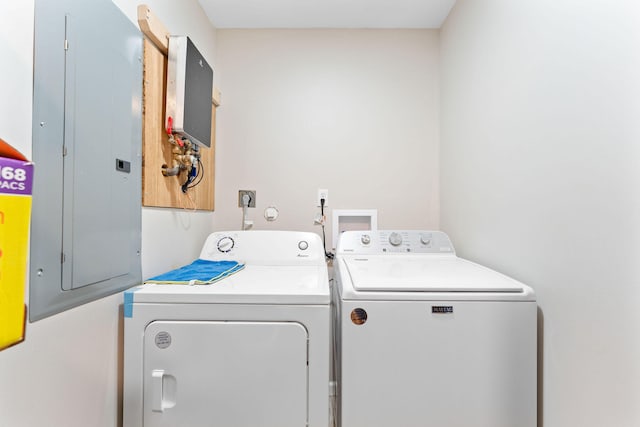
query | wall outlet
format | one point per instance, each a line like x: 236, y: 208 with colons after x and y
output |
x: 252, y: 197
x: 323, y: 193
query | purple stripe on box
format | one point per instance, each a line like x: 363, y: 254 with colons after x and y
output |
x: 16, y: 176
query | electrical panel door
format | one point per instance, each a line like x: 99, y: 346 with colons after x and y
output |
x: 99, y: 182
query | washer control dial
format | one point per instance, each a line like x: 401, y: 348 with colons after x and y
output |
x: 365, y: 239
x: 425, y: 239
x: 225, y: 244
x: 395, y: 239
x: 303, y: 245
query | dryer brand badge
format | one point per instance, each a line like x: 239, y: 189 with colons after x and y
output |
x: 163, y: 339
x: 441, y: 309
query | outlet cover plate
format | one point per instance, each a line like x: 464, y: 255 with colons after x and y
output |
x: 252, y: 197
x: 323, y: 193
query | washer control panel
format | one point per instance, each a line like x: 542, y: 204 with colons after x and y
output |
x: 394, y: 241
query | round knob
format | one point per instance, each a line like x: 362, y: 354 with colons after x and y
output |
x: 395, y: 239
x: 303, y: 245
x: 365, y: 239
x: 225, y: 244
x: 425, y: 240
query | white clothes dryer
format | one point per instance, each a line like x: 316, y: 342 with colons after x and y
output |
x: 425, y: 338
x: 250, y: 350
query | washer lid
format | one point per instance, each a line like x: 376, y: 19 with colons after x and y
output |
x: 406, y: 273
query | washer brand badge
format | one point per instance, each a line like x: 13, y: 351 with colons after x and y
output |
x: 163, y: 339
x: 441, y: 309
x: 358, y: 316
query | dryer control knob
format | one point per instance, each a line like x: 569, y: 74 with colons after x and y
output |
x: 225, y: 244
x: 425, y: 240
x: 365, y: 239
x: 395, y: 239
x: 303, y: 245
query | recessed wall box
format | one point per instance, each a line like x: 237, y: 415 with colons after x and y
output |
x: 189, y: 91
x: 353, y: 219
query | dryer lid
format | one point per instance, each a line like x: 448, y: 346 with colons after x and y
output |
x: 255, y: 284
x: 406, y: 273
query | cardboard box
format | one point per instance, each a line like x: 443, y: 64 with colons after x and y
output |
x: 16, y: 178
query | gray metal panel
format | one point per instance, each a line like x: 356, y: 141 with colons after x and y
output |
x: 189, y: 91
x: 86, y: 209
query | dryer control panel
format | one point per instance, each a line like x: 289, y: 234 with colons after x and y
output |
x: 265, y: 247
x: 394, y: 241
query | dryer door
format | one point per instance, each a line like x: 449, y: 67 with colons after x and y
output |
x: 227, y: 374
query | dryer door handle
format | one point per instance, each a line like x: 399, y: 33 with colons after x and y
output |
x: 163, y: 391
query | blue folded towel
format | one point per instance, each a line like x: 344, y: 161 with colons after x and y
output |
x: 199, y: 272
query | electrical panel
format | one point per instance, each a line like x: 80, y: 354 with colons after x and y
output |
x: 86, y: 227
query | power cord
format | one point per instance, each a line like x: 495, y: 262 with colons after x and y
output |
x: 246, y: 224
x: 328, y: 255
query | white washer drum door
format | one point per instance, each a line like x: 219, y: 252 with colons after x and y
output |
x: 227, y: 374
x: 439, y: 364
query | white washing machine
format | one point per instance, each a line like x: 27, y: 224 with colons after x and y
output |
x: 250, y: 350
x: 425, y: 338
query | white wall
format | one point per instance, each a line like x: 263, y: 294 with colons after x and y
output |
x: 352, y: 111
x: 540, y: 179
x: 66, y: 373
